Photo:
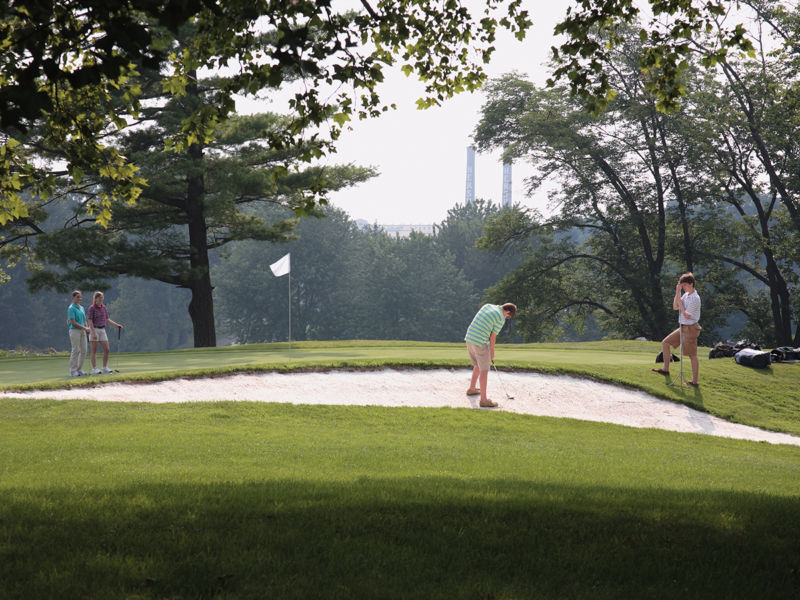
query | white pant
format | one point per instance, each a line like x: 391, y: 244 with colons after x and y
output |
x: 77, y: 338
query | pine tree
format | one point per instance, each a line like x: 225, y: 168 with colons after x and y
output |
x: 196, y: 201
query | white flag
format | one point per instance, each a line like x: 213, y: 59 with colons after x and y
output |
x: 282, y: 266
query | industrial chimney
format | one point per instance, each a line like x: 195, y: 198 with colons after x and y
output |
x: 469, y: 197
x: 506, y: 185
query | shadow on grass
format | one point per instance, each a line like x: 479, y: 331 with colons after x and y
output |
x: 420, y: 538
x: 762, y: 372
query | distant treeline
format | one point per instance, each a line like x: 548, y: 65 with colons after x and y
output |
x: 347, y: 282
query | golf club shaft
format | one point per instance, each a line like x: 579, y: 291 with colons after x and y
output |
x: 500, y: 379
x: 119, y: 336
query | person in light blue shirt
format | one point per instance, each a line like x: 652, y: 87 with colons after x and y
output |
x: 76, y: 317
x: 480, y: 339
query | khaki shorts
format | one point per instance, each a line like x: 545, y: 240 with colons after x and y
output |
x: 479, y: 356
x: 100, y: 335
x: 690, y: 335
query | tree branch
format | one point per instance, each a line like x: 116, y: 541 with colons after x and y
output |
x: 370, y: 10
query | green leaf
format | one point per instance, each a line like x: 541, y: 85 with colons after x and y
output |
x: 77, y: 174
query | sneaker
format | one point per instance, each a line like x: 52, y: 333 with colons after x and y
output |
x: 80, y: 372
x: 107, y: 370
x: 473, y: 392
x: 487, y: 404
x: 95, y: 371
x: 74, y: 374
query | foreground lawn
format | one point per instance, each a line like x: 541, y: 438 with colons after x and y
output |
x: 240, y: 500
x: 764, y: 398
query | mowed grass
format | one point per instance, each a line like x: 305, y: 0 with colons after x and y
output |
x: 767, y: 398
x: 248, y: 500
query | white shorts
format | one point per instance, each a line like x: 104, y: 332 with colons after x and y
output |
x: 100, y: 335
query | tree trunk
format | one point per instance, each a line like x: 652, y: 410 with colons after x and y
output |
x: 674, y: 168
x: 780, y: 302
x: 780, y: 297
x: 201, y: 306
x: 201, y: 311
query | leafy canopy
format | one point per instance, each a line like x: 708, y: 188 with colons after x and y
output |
x: 595, y: 27
x: 69, y: 65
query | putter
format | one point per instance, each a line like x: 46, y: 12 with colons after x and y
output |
x: 500, y: 379
x: 119, y: 335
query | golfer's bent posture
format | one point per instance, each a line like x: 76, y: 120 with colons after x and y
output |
x: 688, y: 307
x: 480, y: 339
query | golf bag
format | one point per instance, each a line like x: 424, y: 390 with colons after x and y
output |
x: 786, y: 354
x: 749, y: 357
x: 721, y: 350
x: 660, y: 358
x: 728, y: 348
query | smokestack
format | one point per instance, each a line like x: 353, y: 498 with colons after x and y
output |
x: 506, y: 185
x: 469, y: 196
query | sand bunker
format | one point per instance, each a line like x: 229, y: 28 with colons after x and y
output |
x: 533, y: 393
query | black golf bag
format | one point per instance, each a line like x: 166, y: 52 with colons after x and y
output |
x: 660, y: 358
x: 786, y: 354
x: 749, y: 357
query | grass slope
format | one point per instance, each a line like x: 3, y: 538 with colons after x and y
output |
x: 250, y: 500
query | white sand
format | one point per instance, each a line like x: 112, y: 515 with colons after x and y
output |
x: 533, y: 394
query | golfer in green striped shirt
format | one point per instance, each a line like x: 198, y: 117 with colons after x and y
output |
x: 480, y: 339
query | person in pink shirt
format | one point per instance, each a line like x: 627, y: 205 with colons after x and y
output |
x: 97, y: 317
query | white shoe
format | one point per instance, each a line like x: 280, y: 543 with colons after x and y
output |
x: 74, y: 374
x: 95, y: 371
x: 107, y: 370
x: 82, y: 373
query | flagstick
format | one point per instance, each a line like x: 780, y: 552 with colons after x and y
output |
x: 680, y: 369
x: 290, y: 311
x: 279, y: 269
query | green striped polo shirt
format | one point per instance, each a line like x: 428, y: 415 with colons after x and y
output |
x: 489, y: 320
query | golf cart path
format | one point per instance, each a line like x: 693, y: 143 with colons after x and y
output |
x: 533, y: 394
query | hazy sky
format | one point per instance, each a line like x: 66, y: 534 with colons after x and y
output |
x: 422, y: 154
